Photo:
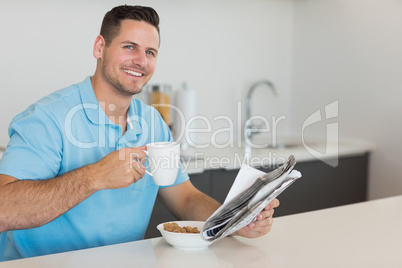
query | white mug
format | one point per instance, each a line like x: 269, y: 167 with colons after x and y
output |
x: 163, y: 161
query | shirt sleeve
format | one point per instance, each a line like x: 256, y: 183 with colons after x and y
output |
x: 35, y: 147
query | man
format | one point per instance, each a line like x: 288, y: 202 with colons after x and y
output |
x: 68, y: 180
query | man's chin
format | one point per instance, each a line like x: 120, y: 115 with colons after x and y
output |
x: 130, y: 91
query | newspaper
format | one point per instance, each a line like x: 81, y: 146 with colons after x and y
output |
x: 241, y: 207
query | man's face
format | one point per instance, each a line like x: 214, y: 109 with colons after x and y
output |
x: 129, y: 61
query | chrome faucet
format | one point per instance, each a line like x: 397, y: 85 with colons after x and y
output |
x: 249, y: 128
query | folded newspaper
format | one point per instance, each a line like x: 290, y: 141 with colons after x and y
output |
x: 251, y: 192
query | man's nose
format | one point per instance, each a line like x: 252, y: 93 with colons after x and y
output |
x: 140, y: 58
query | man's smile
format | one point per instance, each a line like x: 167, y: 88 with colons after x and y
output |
x: 133, y: 73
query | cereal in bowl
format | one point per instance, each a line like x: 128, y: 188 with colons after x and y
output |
x: 175, y: 228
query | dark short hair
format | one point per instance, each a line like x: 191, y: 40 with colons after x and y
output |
x: 112, y: 21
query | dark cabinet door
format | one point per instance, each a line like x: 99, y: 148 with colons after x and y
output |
x: 222, y: 181
x: 322, y: 186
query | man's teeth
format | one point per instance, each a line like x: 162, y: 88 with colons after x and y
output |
x: 133, y: 73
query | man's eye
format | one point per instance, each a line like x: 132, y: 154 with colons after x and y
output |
x: 128, y: 47
x: 150, y: 53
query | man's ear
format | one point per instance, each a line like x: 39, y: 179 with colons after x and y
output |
x: 99, y: 45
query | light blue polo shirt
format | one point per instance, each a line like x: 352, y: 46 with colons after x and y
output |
x: 67, y: 130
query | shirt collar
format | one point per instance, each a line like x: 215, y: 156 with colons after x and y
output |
x: 96, y: 114
x: 91, y: 105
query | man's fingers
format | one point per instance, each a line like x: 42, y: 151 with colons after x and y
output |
x: 274, y: 204
x: 138, y: 172
x: 137, y: 155
x: 265, y: 214
x: 142, y: 148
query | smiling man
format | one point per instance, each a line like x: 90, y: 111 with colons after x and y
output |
x: 68, y: 180
x: 128, y: 61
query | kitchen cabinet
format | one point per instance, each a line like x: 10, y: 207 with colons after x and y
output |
x: 321, y: 186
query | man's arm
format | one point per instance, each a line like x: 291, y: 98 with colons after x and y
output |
x: 28, y: 203
x: 32, y: 203
x: 188, y: 203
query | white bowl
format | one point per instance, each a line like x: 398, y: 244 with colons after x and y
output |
x: 185, y: 240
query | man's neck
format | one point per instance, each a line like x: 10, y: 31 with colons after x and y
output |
x: 114, y: 104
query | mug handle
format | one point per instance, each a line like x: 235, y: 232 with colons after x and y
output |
x: 146, y: 171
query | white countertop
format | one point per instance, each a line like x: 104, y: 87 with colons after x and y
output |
x: 363, y: 235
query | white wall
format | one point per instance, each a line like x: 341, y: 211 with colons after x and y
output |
x: 217, y: 47
x: 351, y: 51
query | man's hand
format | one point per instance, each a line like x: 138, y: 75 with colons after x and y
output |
x: 119, y: 169
x: 263, y: 223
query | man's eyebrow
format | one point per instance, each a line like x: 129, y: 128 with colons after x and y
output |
x: 130, y: 43
x: 137, y: 45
